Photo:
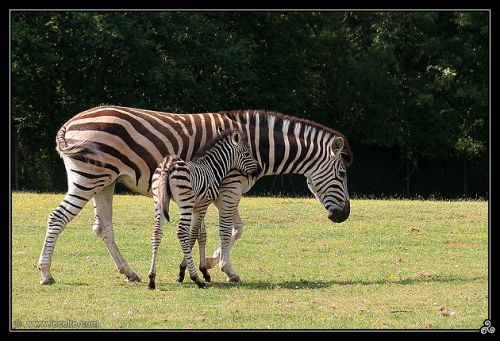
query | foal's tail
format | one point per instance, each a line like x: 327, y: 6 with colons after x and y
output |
x: 163, y: 189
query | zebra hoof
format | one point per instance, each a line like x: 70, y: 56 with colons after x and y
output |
x: 47, y: 280
x: 198, y: 282
x: 152, y: 286
x: 180, y: 278
x: 206, y: 275
x: 133, y: 278
x: 182, y: 273
x: 234, y: 279
x: 201, y: 285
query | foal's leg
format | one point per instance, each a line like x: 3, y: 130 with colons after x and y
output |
x: 230, y: 192
x: 183, y: 234
x: 197, y: 232
x: 226, y: 214
x: 227, y: 203
x: 155, y: 244
x: 202, y: 242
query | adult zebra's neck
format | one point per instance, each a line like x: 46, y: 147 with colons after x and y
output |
x: 284, y: 144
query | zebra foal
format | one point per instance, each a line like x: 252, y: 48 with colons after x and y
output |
x: 194, y: 186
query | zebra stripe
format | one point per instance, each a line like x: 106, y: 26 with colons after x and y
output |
x: 296, y: 144
x: 286, y: 143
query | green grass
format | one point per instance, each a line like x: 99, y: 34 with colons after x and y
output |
x: 392, y: 264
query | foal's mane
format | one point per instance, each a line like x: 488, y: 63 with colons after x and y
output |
x: 219, y: 137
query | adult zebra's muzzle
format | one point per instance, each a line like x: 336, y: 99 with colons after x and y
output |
x: 338, y: 214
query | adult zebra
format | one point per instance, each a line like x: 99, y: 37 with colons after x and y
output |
x: 107, y: 144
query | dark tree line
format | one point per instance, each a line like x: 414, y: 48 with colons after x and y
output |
x: 409, y: 89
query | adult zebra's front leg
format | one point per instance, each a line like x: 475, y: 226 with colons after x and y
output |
x: 235, y: 235
x: 103, y: 227
x: 227, y: 203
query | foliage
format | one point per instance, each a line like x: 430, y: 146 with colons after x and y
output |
x: 412, y: 82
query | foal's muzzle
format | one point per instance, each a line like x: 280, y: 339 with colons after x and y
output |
x: 257, y: 170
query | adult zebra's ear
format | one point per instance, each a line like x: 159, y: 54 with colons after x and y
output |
x: 236, y: 137
x: 337, y: 145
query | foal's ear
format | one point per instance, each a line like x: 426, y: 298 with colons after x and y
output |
x: 220, y: 130
x: 337, y: 145
x: 236, y: 137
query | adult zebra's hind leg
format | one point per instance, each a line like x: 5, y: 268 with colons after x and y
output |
x: 103, y: 227
x: 69, y: 207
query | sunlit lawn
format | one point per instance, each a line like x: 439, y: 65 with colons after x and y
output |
x: 392, y: 264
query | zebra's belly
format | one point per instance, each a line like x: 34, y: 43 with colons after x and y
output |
x: 247, y: 182
x: 130, y: 183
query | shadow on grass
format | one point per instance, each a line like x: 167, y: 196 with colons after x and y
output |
x: 306, y: 284
x: 72, y: 283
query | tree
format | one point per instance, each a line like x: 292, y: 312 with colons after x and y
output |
x: 414, y: 82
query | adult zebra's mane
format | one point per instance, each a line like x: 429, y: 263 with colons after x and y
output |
x: 347, y: 152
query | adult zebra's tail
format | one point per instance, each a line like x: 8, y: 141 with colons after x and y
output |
x: 63, y: 149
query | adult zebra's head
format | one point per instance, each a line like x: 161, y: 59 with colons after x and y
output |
x: 328, y: 179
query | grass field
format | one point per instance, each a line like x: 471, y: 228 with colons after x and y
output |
x: 392, y: 264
